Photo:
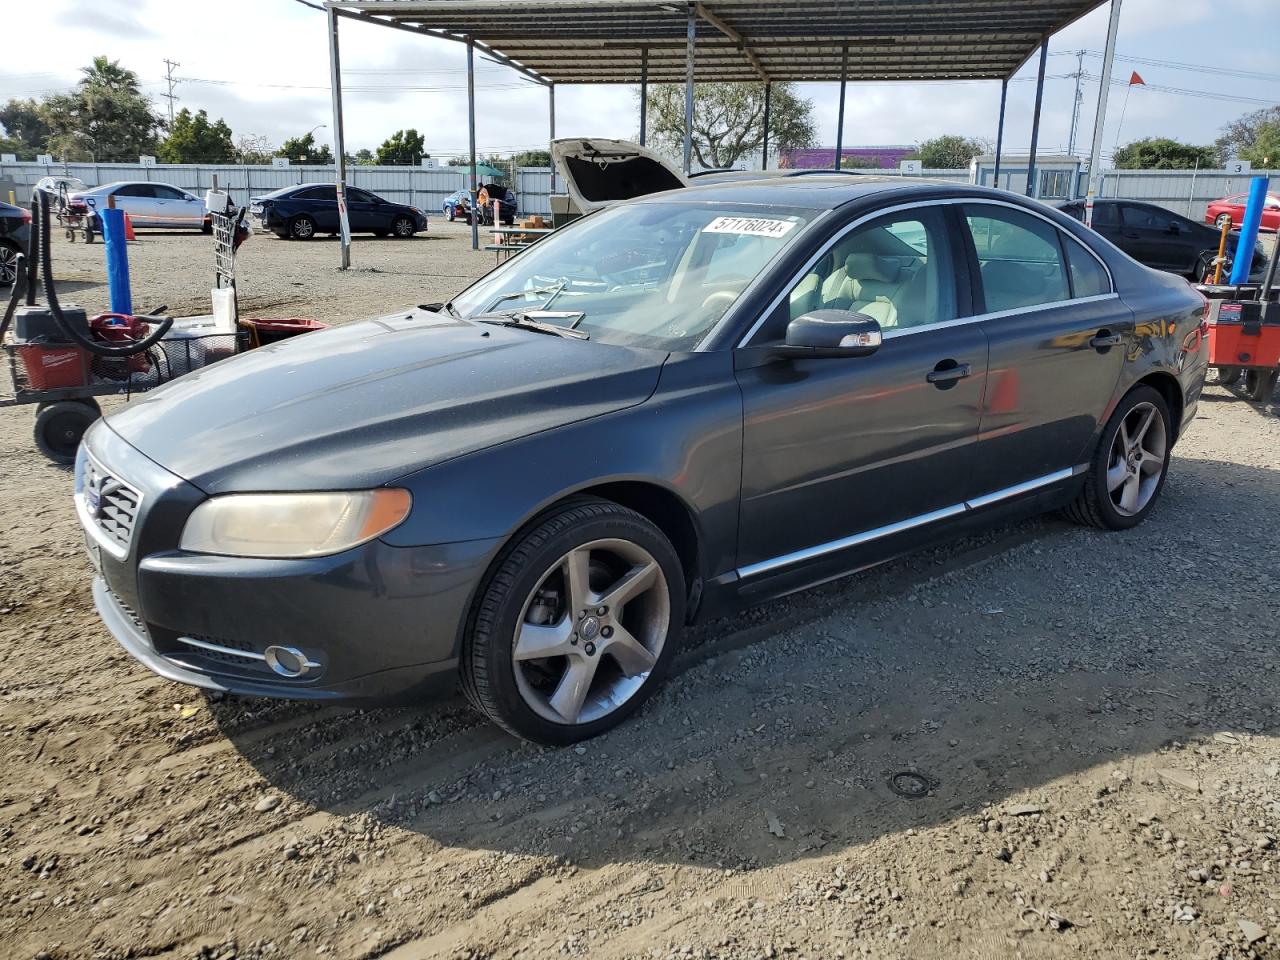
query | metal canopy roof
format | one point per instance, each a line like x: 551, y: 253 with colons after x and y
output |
x: 610, y: 41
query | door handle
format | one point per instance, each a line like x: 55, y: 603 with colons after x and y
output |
x: 946, y: 373
x: 1132, y: 236
x: 1105, y: 340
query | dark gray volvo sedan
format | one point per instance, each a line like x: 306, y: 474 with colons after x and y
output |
x: 674, y: 407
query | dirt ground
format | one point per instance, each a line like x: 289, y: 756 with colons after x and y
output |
x: 1085, y: 727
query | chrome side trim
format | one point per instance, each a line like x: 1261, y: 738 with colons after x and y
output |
x: 946, y: 201
x: 1020, y: 488
x: 214, y: 648
x: 857, y: 539
x: 997, y: 315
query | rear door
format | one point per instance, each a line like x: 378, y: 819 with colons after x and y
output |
x: 1155, y: 238
x: 320, y: 203
x: 138, y: 200
x: 1058, y: 335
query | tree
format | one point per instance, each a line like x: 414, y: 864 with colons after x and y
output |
x: 1162, y: 153
x: 1241, y: 134
x: 403, y: 147
x: 728, y: 120
x: 105, y: 118
x: 303, y: 150
x: 193, y: 139
x: 532, y: 158
x: 254, y: 148
x: 363, y: 157
x: 949, y: 152
x: 1265, y: 151
x: 25, y: 127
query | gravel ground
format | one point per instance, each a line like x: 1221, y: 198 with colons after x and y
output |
x: 1085, y: 726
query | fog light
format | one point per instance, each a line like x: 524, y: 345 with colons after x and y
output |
x: 289, y: 661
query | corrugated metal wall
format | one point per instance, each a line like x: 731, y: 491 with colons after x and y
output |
x: 1182, y: 191
x: 423, y: 187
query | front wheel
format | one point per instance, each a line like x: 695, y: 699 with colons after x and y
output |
x: 8, y: 265
x: 60, y: 426
x: 1126, y: 474
x: 576, y: 625
x: 402, y: 227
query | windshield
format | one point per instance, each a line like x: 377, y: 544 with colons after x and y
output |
x: 655, y: 275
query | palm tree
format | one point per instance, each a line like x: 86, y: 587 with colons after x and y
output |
x: 109, y: 74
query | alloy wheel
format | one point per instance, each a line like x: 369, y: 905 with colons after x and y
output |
x: 303, y: 229
x: 8, y: 265
x: 403, y: 227
x: 1137, y: 459
x: 591, y: 631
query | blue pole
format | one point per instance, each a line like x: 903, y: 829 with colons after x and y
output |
x: 118, y: 259
x: 1243, y: 261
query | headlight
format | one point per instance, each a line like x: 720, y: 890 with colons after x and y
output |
x: 280, y: 525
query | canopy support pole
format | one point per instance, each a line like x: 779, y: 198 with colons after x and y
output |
x: 691, y: 34
x: 551, y: 97
x: 471, y: 133
x: 1100, y: 119
x: 644, y: 94
x: 339, y: 147
x: 844, y: 77
x: 764, y: 150
x: 1033, y: 188
x: 1004, y: 97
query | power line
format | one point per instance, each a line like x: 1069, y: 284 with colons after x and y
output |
x: 1194, y: 67
x: 171, y: 80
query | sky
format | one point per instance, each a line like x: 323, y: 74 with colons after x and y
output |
x: 262, y: 65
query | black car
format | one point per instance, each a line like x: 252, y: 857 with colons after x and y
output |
x: 1159, y: 238
x: 673, y: 407
x: 15, y: 231
x: 300, y: 212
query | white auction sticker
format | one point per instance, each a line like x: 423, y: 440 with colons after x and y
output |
x: 750, y: 226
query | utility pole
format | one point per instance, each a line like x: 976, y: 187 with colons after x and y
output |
x: 169, y: 66
x: 1075, y: 106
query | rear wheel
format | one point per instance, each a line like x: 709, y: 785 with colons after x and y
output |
x: 402, y: 227
x: 8, y: 265
x: 60, y: 426
x: 576, y: 625
x: 1127, y: 472
x: 1260, y: 384
x: 302, y: 227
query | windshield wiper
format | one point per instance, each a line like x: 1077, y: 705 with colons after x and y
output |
x: 536, y: 320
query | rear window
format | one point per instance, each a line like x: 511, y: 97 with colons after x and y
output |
x: 620, y: 179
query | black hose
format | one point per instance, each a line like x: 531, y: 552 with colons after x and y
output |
x: 123, y: 349
x: 33, y: 250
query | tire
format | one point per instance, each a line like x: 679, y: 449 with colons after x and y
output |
x: 89, y: 402
x: 451, y: 213
x: 8, y: 264
x: 60, y: 426
x: 206, y: 226
x: 302, y: 227
x: 402, y: 228
x: 1222, y: 218
x: 522, y: 599
x: 1120, y: 489
x: 1260, y: 384
x: 1228, y: 375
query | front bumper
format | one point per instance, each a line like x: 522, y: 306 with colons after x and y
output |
x: 376, y: 623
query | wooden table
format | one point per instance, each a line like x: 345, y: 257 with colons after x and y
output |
x: 514, y: 247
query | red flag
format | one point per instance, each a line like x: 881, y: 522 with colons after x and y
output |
x: 1136, y: 81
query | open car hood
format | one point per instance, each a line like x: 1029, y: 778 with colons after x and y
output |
x: 598, y: 171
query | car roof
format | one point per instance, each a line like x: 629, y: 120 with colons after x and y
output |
x: 823, y: 190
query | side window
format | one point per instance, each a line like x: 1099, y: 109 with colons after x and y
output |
x: 357, y: 196
x: 167, y: 193
x: 1147, y: 218
x: 1076, y: 211
x: 1019, y: 257
x: 319, y: 193
x: 895, y: 270
x: 136, y: 190
x: 1104, y: 215
x: 1088, y: 279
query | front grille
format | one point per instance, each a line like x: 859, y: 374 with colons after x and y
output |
x: 111, y: 503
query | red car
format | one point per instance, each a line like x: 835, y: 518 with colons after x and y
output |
x: 1233, y: 207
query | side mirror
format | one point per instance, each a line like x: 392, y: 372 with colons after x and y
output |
x: 831, y: 333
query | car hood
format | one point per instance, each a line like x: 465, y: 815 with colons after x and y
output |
x: 598, y: 171
x: 363, y: 404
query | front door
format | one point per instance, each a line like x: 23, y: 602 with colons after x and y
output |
x: 1058, y: 337
x: 138, y: 201
x: 362, y: 211
x: 839, y: 448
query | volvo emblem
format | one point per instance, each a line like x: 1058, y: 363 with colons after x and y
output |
x: 589, y: 628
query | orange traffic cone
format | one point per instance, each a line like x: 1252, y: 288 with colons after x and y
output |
x: 128, y: 229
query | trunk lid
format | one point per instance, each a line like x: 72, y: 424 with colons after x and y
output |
x: 598, y: 171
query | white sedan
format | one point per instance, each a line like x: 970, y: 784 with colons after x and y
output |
x: 150, y: 204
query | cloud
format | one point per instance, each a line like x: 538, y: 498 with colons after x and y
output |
x: 93, y: 18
